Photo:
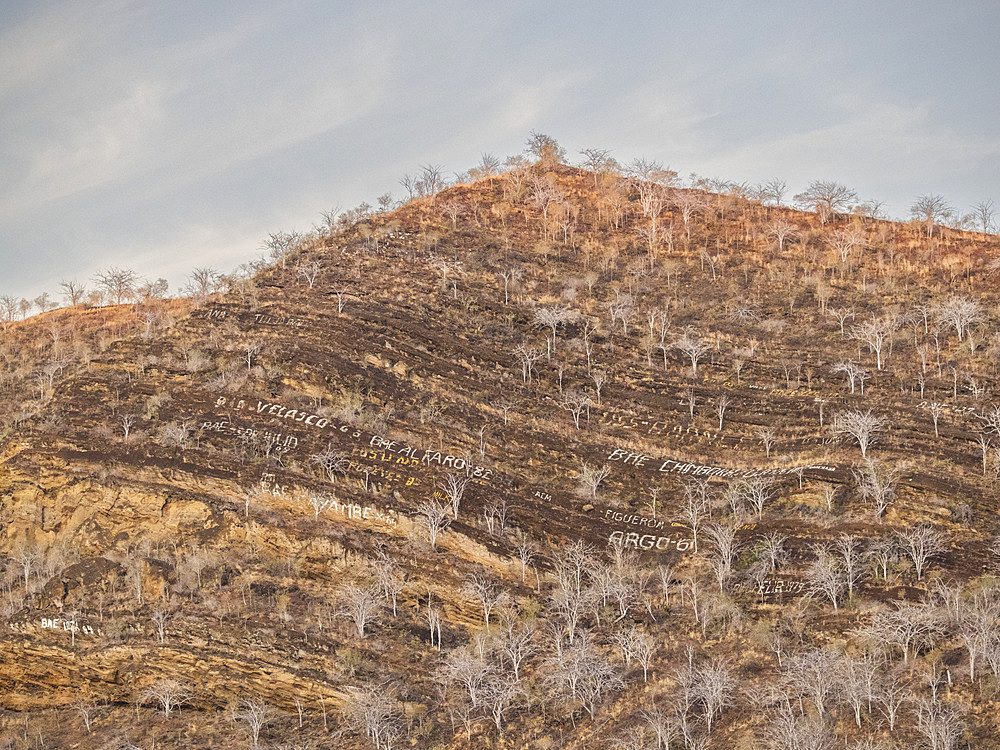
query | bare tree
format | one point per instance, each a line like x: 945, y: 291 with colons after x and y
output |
x: 576, y: 403
x: 826, y: 198
x: 583, y: 675
x: 569, y: 606
x: 280, y: 245
x: 372, y: 710
x: 931, y: 210
x: 490, y: 594
x: 883, y: 551
x: 845, y: 241
x: 876, y: 332
x: 842, y: 314
x: 689, y: 398
x: 814, y: 673
x: 936, y: 411
x: 331, y: 461
x: 781, y: 230
x: 498, y: 694
x: 527, y: 550
x: 876, y: 484
x: 984, y: 213
x: 693, y: 348
x: 389, y: 578
x: 73, y: 292
x: 510, y: 276
x: 86, y: 710
x: 799, y: 732
x: 853, y: 373
x: 409, y: 184
x: 255, y: 714
x: 920, y: 544
x: 447, y: 267
x: 453, y: 209
x: 308, y: 272
x: 453, y: 487
x: 160, y: 618
x: 714, y: 686
x: 516, y: 642
x: 960, y: 313
x: 767, y: 436
x: 856, y: 686
x: 853, y: 554
x: 756, y: 491
x: 695, y: 505
x: 976, y: 621
x: 127, y: 421
x: 600, y: 378
x: 341, y: 293
x: 773, y: 191
x: 908, y: 627
x: 436, y: 518
x: 591, y: 478
x: 721, y: 405
x: 117, y: 284
x: 725, y: 549
x: 689, y: 203
x: 825, y: 575
x: 552, y: 318
x: 170, y: 694
x: 527, y: 356
x: 941, y: 724
x: 360, y: 604
x: 431, y: 181
x: 862, y: 426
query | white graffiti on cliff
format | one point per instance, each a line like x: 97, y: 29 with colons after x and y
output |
x: 670, y: 466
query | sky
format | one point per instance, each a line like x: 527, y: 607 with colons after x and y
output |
x: 164, y: 136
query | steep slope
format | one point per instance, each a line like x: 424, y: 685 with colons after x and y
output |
x: 209, y: 499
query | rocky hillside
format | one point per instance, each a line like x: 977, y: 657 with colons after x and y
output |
x: 556, y: 458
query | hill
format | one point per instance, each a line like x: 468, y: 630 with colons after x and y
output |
x: 555, y: 458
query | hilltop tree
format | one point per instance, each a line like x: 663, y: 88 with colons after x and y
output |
x: 545, y: 150
x: 280, y: 245
x: 826, y: 199
x: 773, y: 191
x: 984, y: 213
x: 117, y: 284
x: 203, y: 282
x: 599, y: 161
x: 488, y: 167
x: 431, y: 181
x: 73, y: 292
x: 931, y: 210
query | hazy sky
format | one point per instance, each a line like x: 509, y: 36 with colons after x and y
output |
x: 168, y: 135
